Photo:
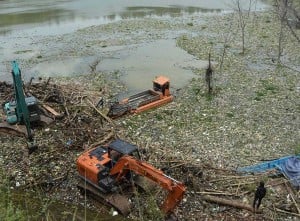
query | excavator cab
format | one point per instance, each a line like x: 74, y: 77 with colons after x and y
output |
x: 162, y: 84
x: 119, y: 148
x: 10, y: 109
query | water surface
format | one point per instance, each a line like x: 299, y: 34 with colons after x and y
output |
x: 67, y: 15
x: 24, y: 21
x: 140, y: 64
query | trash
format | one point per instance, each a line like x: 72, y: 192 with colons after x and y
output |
x: 100, y: 102
x: 69, y: 143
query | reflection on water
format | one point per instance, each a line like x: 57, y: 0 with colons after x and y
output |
x: 139, y: 12
x: 61, y: 16
x: 31, y: 17
x: 25, y: 13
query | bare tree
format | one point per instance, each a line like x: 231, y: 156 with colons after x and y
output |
x: 227, y: 37
x: 294, y: 12
x: 243, y: 15
x: 287, y: 12
x: 281, y: 11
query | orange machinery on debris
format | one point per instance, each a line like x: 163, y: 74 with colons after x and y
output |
x: 159, y: 95
x: 109, y: 170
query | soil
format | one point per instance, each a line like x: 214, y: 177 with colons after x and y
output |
x: 200, y: 139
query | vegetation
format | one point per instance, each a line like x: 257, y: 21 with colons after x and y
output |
x: 8, y: 210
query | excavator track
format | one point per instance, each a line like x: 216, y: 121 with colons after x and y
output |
x: 119, y: 202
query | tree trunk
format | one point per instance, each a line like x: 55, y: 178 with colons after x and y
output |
x: 226, y: 202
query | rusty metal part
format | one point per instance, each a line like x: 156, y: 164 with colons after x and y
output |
x: 118, y: 201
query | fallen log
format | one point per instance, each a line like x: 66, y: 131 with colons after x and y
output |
x: 286, y: 212
x: 99, y: 112
x: 226, y: 202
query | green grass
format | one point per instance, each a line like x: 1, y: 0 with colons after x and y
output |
x: 259, y: 95
x: 230, y: 114
x: 152, y: 210
x: 158, y: 116
x: 8, y: 211
x: 269, y: 86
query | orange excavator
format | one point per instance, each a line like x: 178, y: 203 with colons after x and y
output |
x: 108, y: 171
x: 145, y: 100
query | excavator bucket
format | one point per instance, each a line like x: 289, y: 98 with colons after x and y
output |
x: 17, y: 130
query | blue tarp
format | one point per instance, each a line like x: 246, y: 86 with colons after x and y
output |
x: 289, y: 166
x: 291, y: 169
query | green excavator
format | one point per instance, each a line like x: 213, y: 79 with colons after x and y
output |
x: 20, y: 112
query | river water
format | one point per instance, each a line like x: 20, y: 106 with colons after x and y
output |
x: 24, y: 21
x: 66, y: 15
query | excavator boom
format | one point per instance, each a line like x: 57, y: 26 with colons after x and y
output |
x: 22, y: 109
x: 175, y: 188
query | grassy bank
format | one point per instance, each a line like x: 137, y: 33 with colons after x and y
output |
x: 8, y: 210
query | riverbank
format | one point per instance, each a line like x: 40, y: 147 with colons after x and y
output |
x: 252, y: 115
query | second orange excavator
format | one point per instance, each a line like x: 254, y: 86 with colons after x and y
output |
x: 159, y: 95
x: 108, y: 171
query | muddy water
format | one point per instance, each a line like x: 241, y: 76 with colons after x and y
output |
x: 66, y: 15
x: 22, y: 22
x: 143, y: 62
x: 138, y: 64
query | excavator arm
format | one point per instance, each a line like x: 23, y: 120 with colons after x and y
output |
x: 175, y: 188
x: 22, y: 109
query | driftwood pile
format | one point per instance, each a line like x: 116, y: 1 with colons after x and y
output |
x: 79, y: 124
x: 72, y: 109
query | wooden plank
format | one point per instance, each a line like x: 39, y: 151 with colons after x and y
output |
x: 52, y: 111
